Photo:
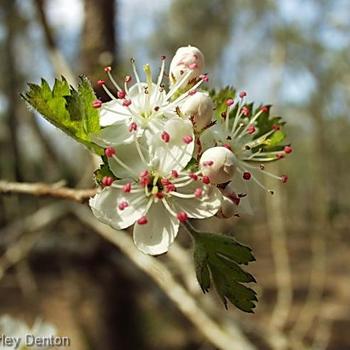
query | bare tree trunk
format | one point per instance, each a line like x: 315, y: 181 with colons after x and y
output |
x: 11, y: 87
x: 98, y: 47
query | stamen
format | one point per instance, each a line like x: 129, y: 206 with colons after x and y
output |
x: 247, y: 175
x: 144, y: 178
x: 177, y: 85
x: 97, y: 104
x: 160, y: 195
x: 187, y: 139
x: 165, y: 136
x: 260, y: 139
x: 110, y: 152
x: 126, y: 102
x: 206, y: 180
x: 250, y: 126
x: 182, y: 216
x: 122, y: 164
x: 123, y: 205
x: 109, y: 93
x: 127, y: 187
x: 139, y: 151
x: 204, y: 77
x: 100, y: 82
x: 256, y: 181
x: 246, y: 111
x: 288, y: 149
x: 113, y: 81
x: 251, y: 129
x: 142, y: 221
x: 107, y: 69
x: 182, y: 195
x: 193, y: 176
x: 198, y: 192
x: 229, y: 102
x: 242, y: 94
x: 174, y: 174
x: 167, y: 206
x: 284, y: 178
x: 121, y: 94
x: 107, y: 181
x: 132, y: 127
x: 164, y: 181
x: 136, y: 74
x: 170, y: 188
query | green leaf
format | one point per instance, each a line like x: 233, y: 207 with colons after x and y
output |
x: 66, y: 108
x: 217, y: 261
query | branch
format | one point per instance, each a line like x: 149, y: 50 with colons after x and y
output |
x: 47, y: 190
x: 32, y: 225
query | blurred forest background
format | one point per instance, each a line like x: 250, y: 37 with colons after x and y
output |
x: 292, y: 53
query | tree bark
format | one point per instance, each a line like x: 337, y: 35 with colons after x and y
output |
x: 98, y: 47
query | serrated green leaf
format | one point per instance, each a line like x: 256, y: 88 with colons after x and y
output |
x: 219, y: 98
x: 66, y: 108
x: 217, y: 259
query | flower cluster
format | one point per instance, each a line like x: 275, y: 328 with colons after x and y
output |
x: 170, y: 155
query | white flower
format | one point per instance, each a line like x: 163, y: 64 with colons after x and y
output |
x: 199, y: 108
x: 158, y: 196
x: 219, y: 164
x: 142, y: 109
x: 238, y: 135
x: 11, y: 327
x: 188, y: 62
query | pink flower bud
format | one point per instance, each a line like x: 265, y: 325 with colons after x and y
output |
x: 187, y: 59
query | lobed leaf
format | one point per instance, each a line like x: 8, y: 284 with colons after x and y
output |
x: 66, y: 108
x: 217, y: 261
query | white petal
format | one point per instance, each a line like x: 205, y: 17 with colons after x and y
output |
x: 129, y: 155
x: 238, y: 185
x: 199, y: 208
x: 175, y: 154
x: 156, y: 236
x: 113, y: 135
x: 104, y: 205
x: 107, y: 117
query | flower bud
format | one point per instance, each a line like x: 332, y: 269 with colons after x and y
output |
x: 219, y: 164
x: 200, y: 108
x: 187, y: 58
x: 228, y: 208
